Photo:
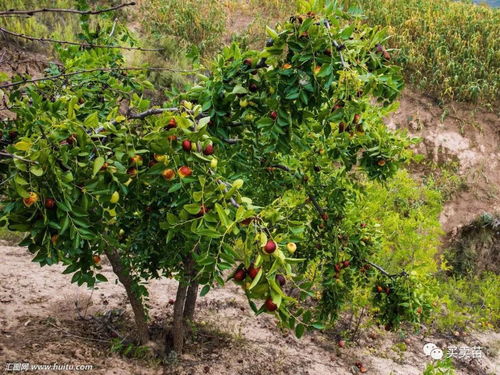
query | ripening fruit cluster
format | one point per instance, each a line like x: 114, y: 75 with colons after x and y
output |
x: 245, y: 276
x: 137, y: 163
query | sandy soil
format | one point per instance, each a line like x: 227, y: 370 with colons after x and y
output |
x: 44, y: 319
x: 462, y: 137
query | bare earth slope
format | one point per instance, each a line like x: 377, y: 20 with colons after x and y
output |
x: 462, y: 137
x: 45, y: 320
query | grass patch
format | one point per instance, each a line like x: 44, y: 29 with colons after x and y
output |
x: 448, y: 48
x: 60, y: 26
x: 12, y: 238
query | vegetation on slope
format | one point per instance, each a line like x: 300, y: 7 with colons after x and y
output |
x: 446, y: 48
x: 449, y: 49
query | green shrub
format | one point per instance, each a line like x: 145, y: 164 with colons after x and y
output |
x: 467, y: 303
x: 441, y: 367
x: 448, y: 48
x: 408, y: 214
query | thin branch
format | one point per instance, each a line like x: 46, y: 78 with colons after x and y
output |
x: 142, y: 115
x: 337, y: 46
x: 9, y: 155
x: 402, y: 273
x: 311, y: 197
x: 315, y: 204
x: 231, y: 141
x: 89, y: 45
x: 235, y: 123
x: 11, y: 12
x: 152, y: 111
x: 225, y: 184
x: 113, y: 28
x: 282, y: 167
x: 63, y: 75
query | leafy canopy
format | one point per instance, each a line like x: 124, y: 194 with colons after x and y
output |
x: 271, y: 147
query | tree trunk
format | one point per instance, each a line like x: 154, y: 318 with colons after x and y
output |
x: 135, y: 301
x: 178, y: 326
x: 190, y: 304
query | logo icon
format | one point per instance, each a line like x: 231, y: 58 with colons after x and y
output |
x: 433, y: 351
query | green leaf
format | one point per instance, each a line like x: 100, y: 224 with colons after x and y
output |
x: 192, y: 208
x: 71, y: 108
x: 204, y: 290
x: 36, y: 170
x: 101, y: 278
x: 65, y: 224
x: 256, y: 280
x: 92, y: 120
x: 326, y: 70
x: 299, y: 330
x: 171, y: 218
x: 346, y: 33
x: 222, y: 215
x: 76, y: 277
x: 19, y: 180
x: 207, y: 232
x: 203, y: 121
x: 175, y: 187
x: 271, y: 33
x: 98, y: 163
x: 197, y: 196
x: 23, y: 145
x: 238, y: 89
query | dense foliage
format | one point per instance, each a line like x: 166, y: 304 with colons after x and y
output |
x: 254, y: 170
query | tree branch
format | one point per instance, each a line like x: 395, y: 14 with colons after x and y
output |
x: 152, y: 111
x: 311, y: 197
x: 402, y: 273
x: 9, y: 155
x: 11, y: 12
x: 231, y: 141
x: 225, y: 184
x: 315, y: 204
x: 337, y: 46
x: 63, y: 75
x: 282, y: 167
x: 48, y: 40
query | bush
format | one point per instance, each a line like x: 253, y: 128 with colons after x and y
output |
x: 408, y: 217
x: 441, y: 367
x: 178, y: 25
x: 467, y: 303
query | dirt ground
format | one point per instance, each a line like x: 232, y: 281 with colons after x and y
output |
x: 463, y: 139
x: 44, y: 319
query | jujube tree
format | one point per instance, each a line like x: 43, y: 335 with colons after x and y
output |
x: 247, y: 176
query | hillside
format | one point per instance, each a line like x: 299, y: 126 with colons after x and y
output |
x: 439, y: 217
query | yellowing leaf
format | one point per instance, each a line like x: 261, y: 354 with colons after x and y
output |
x: 115, y: 197
x: 23, y: 145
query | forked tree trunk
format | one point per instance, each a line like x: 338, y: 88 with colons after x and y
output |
x: 128, y: 282
x: 185, y: 303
